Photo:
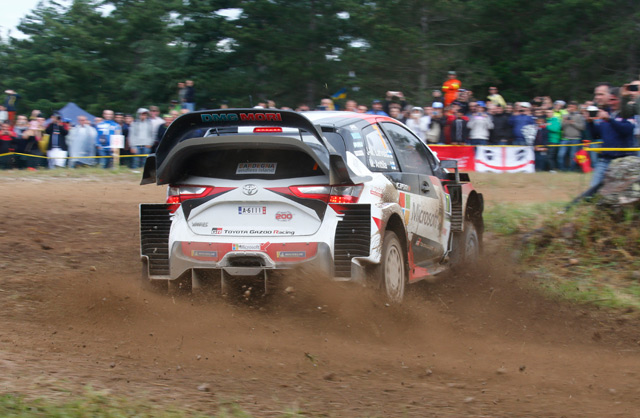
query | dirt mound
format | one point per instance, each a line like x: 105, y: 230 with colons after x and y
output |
x: 483, y: 342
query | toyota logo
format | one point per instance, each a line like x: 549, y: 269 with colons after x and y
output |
x: 249, y: 189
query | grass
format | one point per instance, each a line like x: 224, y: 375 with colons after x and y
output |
x: 96, y: 405
x: 588, y: 254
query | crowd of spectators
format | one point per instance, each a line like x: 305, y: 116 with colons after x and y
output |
x: 453, y: 116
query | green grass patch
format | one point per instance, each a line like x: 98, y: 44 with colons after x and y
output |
x: 589, y: 254
x: 96, y: 405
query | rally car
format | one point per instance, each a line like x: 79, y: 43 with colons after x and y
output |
x: 252, y: 192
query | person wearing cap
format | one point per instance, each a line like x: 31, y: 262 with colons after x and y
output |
x: 450, y: 88
x: 376, y: 109
x: 436, y: 97
x: 106, y: 128
x: 141, y: 137
x: 495, y: 97
x: 523, y: 125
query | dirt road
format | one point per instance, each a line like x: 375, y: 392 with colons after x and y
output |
x: 484, y: 343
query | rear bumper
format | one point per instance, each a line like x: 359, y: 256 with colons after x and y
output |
x: 183, y: 258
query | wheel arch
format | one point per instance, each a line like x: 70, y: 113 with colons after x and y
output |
x: 473, y: 212
x: 395, y: 224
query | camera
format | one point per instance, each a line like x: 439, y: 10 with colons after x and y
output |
x: 632, y: 87
x: 593, y: 111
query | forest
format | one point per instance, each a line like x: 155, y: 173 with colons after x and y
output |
x: 122, y: 54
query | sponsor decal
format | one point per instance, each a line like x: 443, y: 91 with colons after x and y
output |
x: 422, y: 244
x: 256, y: 168
x: 200, y: 224
x: 358, y: 144
x: 359, y: 153
x: 424, y: 217
x: 252, y: 210
x: 225, y: 231
x: 405, y: 203
x: 245, y: 247
x: 403, y: 187
x: 291, y: 254
x: 376, y: 191
x: 200, y: 253
x: 249, y: 189
x: 284, y: 216
x: 231, y: 117
x: 447, y: 203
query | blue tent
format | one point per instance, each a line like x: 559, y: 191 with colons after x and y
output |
x: 71, y: 111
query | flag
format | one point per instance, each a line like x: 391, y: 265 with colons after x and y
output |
x: 340, y: 94
x: 583, y: 160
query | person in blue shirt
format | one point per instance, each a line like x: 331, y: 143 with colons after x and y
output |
x: 376, y: 109
x: 523, y: 125
x: 106, y: 129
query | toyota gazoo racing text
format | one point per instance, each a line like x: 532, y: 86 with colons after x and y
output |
x: 255, y: 191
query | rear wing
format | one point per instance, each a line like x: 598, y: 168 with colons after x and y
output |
x: 158, y: 168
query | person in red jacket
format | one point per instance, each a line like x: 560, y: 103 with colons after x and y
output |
x: 7, y: 144
x: 450, y: 88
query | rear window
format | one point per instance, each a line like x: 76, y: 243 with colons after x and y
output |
x: 252, y: 164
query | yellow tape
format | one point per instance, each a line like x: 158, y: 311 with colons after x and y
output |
x: 611, y: 149
x: 70, y: 158
x: 506, y: 146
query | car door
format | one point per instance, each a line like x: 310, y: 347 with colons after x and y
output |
x: 427, y: 223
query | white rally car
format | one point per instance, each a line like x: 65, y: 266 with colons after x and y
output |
x: 254, y: 191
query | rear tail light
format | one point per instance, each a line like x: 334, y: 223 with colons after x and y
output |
x: 178, y: 194
x: 332, y: 195
x: 267, y: 130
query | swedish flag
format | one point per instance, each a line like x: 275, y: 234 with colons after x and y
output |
x: 340, y: 94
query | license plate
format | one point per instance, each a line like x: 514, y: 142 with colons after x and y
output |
x: 252, y: 210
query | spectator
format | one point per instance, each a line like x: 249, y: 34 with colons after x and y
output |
x: 57, y: 147
x: 156, y: 120
x: 351, y: 106
x: 141, y: 137
x: 7, y: 144
x: 22, y: 124
x: 124, y: 130
x: 558, y: 109
x: 554, y: 135
x: 168, y: 119
x: 495, y: 97
x: 28, y: 144
x: 396, y: 113
x: 82, y: 140
x: 435, y: 133
x: 540, y: 144
x: 393, y: 98
x: 611, y: 128
x: 479, y: 125
x: 106, y: 127
x: 11, y: 104
x: 436, y: 97
x: 271, y: 104
x: 182, y: 95
x: 573, y: 124
x: 376, y: 108
x: 362, y: 109
x: 459, y: 131
x: 523, y: 125
x: 4, y: 115
x: 326, y: 104
x: 462, y: 101
x: 630, y: 107
x: 190, y: 96
x: 501, y: 132
x: 450, y: 88
x: 418, y: 122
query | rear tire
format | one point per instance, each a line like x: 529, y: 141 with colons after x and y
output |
x: 466, y: 246
x: 390, y: 274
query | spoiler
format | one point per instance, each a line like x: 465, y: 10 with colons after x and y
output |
x: 157, y: 170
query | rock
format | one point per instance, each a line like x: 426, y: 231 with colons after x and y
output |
x: 204, y: 387
x: 93, y: 268
x: 428, y: 372
x: 198, y: 357
x: 468, y: 399
x: 568, y: 231
x: 501, y: 370
x: 621, y: 184
x: 574, y: 261
x: 112, y: 365
x: 289, y: 290
x: 522, y: 368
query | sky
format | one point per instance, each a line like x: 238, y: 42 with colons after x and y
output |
x: 12, y: 12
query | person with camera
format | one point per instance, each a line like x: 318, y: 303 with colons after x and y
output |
x: 392, y: 98
x: 523, y: 125
x: 572, y: 126
x: 609, y: 125
x: 630, y: 107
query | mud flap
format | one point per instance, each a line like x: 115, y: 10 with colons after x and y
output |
x: 155, y: 224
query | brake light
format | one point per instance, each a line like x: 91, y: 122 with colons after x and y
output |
x: 331, y: 195
x: 345, y: 194
x: 178, y: 194
x: 274, y: 129
x: 320, y: 192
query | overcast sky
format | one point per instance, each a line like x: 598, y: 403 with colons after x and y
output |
x: 12, y: 12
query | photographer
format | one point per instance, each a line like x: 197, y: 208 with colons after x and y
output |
x: 608, y: 125
x: 393, y: 97
x: 630, y: 107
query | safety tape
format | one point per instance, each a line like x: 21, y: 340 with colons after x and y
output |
x: 516, y: 146
x: 72, y: 158
x: 611, y: 149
